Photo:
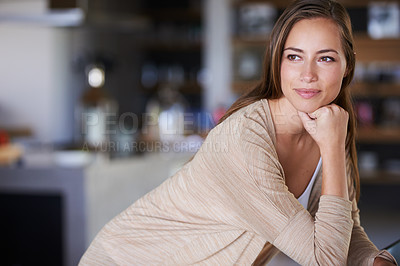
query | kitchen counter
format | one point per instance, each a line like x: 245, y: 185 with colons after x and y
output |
x: 91, y: 195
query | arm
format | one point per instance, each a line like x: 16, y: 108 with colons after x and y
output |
x: 276, y: 214
x: 328, y: 127
x: 362, y: 251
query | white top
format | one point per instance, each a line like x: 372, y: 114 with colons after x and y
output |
x: 303, y: 199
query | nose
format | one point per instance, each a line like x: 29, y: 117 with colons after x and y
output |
x: 309, y: 73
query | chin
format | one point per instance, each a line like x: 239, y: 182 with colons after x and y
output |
x: 308, y: 106
x: 308, y: 109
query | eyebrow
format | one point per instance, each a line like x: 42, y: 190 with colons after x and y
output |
x: 319, y: 52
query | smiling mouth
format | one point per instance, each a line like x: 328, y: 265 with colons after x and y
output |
x: 307, y: 93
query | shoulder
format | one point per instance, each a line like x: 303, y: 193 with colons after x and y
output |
x: 248, y: 130
x: 251, y: 130
x: 254, y: 117
x: 256, y: 120
x: 258, y: 109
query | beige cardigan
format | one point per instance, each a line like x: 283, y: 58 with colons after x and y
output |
x: 230, y: 205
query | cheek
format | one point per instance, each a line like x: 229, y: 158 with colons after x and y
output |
x: 287, y: 74
x: 334, y: 77
x: 333, y: 82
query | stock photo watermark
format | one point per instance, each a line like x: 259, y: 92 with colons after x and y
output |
x: 164, y: 132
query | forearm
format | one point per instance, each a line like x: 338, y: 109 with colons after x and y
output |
x: 362, y: 251
x: 334, y: 180
x: 328, y: 127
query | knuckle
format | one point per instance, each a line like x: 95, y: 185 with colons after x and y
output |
x: 325, y: 110
x: 344, y: 113
x: 336, y: 108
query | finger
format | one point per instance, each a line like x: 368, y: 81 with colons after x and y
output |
x: 334, y: 108
x: 308, y: 123
x: 304, y: 117
x: 315, y: 114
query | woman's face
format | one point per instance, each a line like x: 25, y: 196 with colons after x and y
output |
x: 313, y: 64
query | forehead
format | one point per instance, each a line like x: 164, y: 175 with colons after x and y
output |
x: 314, y: 34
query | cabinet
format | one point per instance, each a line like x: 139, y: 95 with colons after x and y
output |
x: 375, y: 89
x: 172, y: 49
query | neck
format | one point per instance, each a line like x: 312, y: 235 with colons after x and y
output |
x: 292, y: 140
x: 287, y: 122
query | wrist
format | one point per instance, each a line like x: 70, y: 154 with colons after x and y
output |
x: 334, y: 179
x: 332, y: 151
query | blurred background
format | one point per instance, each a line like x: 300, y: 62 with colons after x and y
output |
x: 102, y: 100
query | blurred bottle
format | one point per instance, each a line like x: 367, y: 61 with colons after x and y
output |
x: 97, y: 112
x: 164, y: 120
x: 172, y: 111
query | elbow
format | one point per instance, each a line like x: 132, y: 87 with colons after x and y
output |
x: 328, y: 254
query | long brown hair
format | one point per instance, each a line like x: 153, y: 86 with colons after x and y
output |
x: 269, y: 87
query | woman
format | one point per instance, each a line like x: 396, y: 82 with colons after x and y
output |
x: 256, y: 187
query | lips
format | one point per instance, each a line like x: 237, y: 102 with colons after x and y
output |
x: 307, y: 93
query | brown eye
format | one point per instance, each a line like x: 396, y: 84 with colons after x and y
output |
x: 327, y: 59
x: 293, y: 57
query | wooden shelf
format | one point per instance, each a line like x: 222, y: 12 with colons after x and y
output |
x: 383, y: 50
x: 191, y: 87
x: 241, y: 87
x: 378, y: 135
x: 363, y: 89
x: 379, y: 177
